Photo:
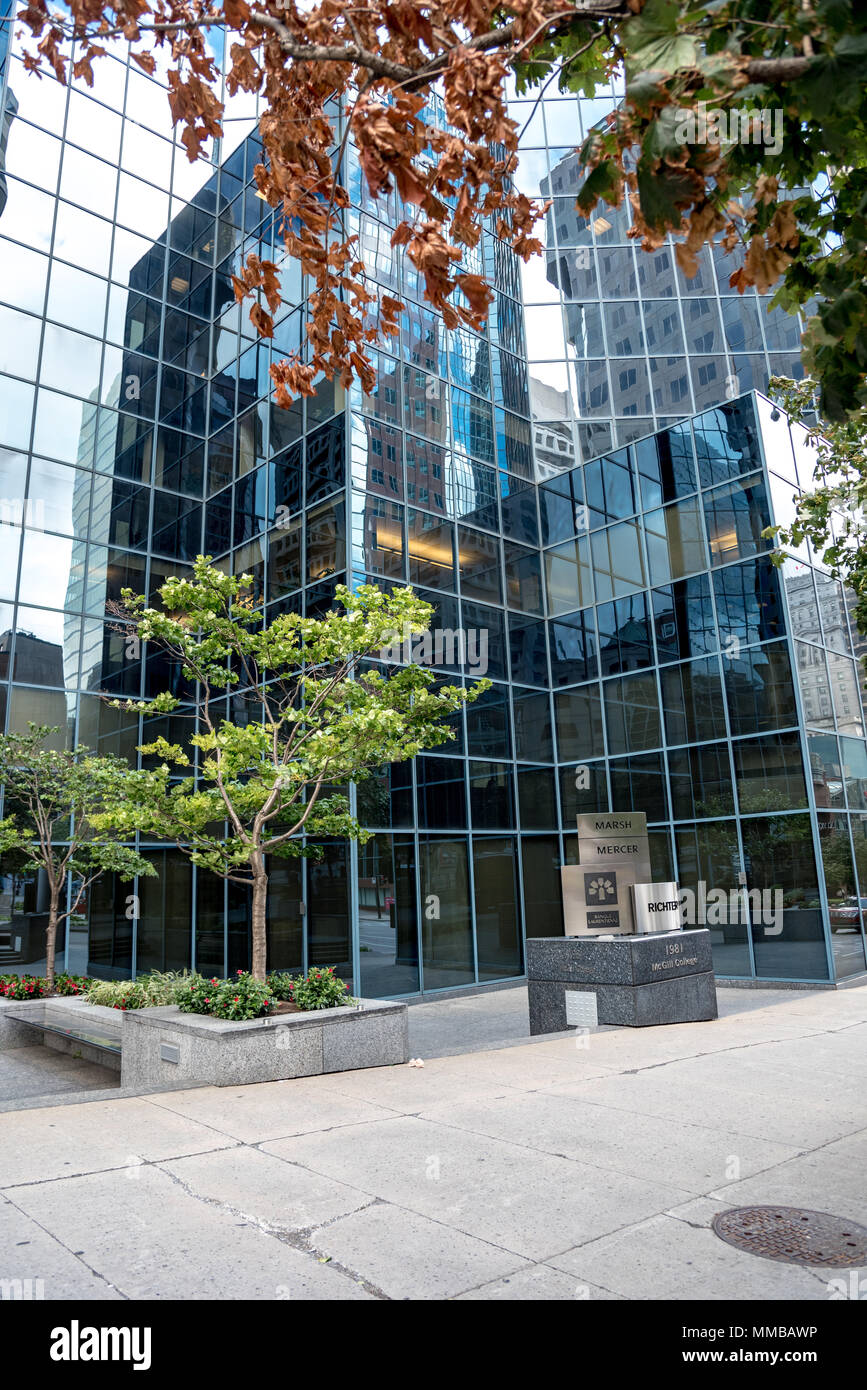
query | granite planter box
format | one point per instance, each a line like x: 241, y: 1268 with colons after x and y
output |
x: 635, y: 981
x: 163, y: 1047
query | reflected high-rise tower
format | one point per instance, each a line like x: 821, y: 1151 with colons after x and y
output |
x: 579, y: 491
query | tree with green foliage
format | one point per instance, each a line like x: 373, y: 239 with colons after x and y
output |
x: 832, y: 514
x: 313, y: 711
x: 52, y: 801
x: 419, y: 87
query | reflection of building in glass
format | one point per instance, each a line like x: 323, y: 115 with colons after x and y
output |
x: 620, y: 342
x: 591, y: 524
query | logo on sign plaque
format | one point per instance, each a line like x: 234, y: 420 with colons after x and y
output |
x: 597, y: 902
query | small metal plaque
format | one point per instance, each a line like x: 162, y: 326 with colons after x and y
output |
x: 616, y: 853
x: 657, y: 907
x: 596, y: 900
x: 604, y: 825
x: 581, y: 1009
x: 170, y: 1052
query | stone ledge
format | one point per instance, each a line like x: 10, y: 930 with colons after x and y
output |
x: 164, y: 1047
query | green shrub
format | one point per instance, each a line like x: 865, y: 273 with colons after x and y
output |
x: 71, y: 984
x: 239, y: 998
x: 147, y: 992
x: 119, y: 994
x: 280, y: 984
x: 320, y: 988
x: 35, y: 986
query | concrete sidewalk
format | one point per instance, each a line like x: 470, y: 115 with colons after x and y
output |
x: 560, y: 1168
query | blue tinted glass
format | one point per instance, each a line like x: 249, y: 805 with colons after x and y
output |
x: 727, y: 442
x: 736, y: 516
x: 666, y: 466
x: 683, y: 619
x: 557, y: 510
x: 692, y: 702
x: 610, y: 493
x: 527, y: 650
x: 748, y: 602
x: 624, y: 635
x: 573, y: 648
x: 632, y: 713
x: 325, y: 461
x: 518, y: 505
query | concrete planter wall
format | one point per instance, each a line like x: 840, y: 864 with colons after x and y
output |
x: 164, y: 1047
x: 94, y: 1031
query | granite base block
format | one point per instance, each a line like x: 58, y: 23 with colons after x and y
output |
x: 638, y: 981
x: 165, y: 1048
x: 626, y: 960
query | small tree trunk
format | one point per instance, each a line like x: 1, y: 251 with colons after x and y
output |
x: 51, y: 941
x: 260, y: 898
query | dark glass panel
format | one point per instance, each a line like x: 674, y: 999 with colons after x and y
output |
x: 683, y: 619
x: 533, y: 734
x: 536, y: 798
x: 387, y: 917
x: 488, y: 730
x: 785, y: 908
x: 446, y: 921
x: 638, y: 784
x: 632, y: 713
x: 498, y: 924
x: 769, y: 773
x: 492, y: 798
x: 579, y: 724
x: 692, y: 701
x: 624, y: 635
x: 701, y: 782
x: 528, y: 653
x: 760, y: 690
x: 748, y: 602
x: 573, y: 648
x: 709, y: 863
x: 543, y: 898
x: 582, y: 788
x: 285, y: 923
x: 666, y: 466
x: 441, y: 793
x: 107, y: 905
x: 328, y: 926
x: 164, y: 936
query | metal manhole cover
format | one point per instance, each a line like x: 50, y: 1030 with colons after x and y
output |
x: 795, y: 1235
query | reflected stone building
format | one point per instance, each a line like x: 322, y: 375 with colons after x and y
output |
x: 579, y: 491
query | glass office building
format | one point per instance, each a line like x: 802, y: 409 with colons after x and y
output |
x: 576, y: 492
